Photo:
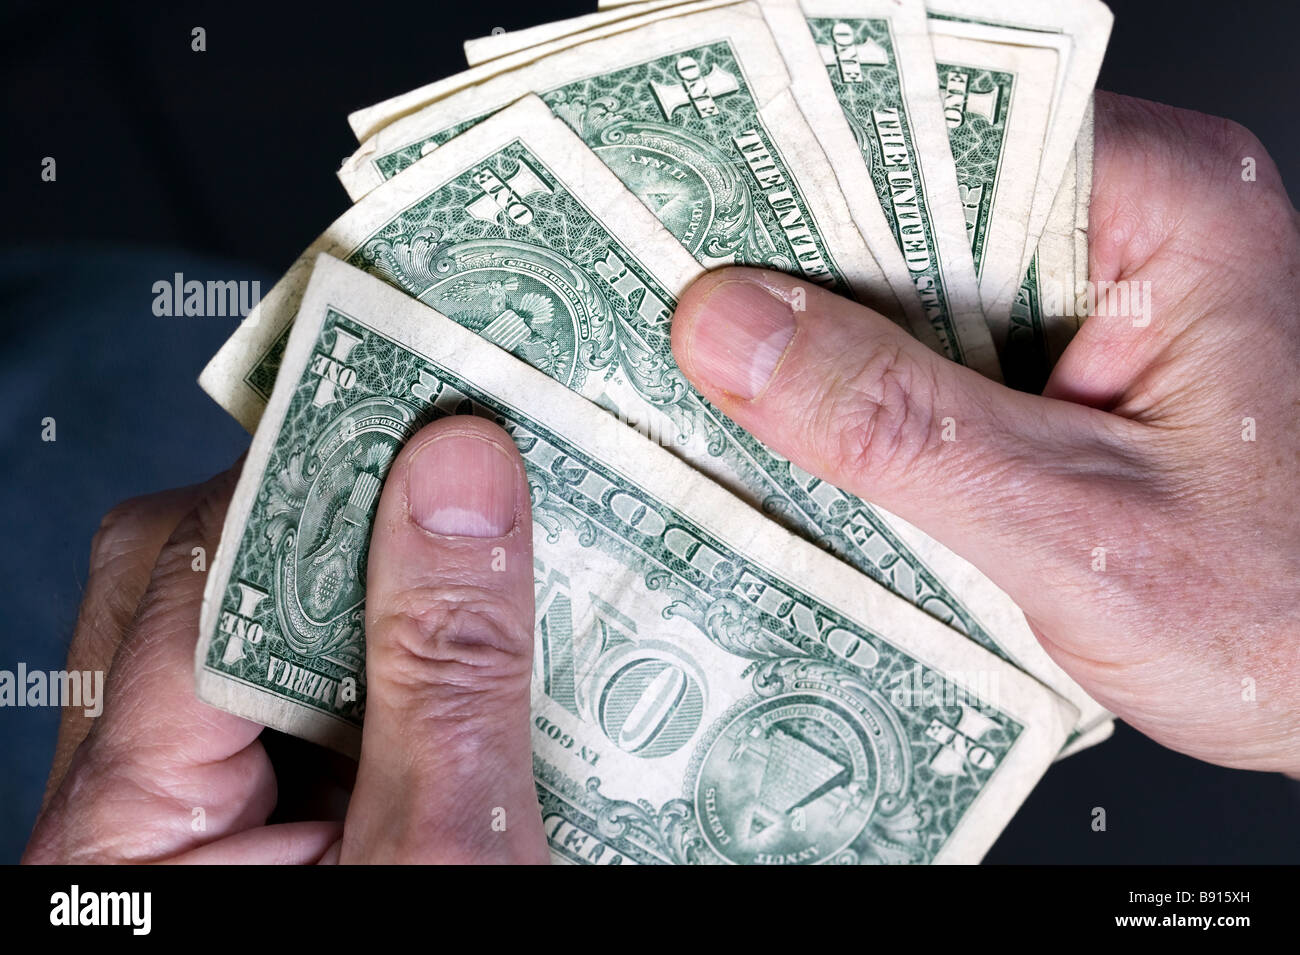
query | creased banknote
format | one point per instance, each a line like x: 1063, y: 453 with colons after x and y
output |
x: 706, y: 688
x: 879, y: 240
x: 863, y: 72
x: 997, y: 101
x: 517, y: 231
x: 367, y: 122
x: 694, y: 115
x: 941, y: 304
x: 1083, y: 195
x: 481, y: 49
x: 1044, y: 317
x: 1075, y: 33
x: 1078, y: 30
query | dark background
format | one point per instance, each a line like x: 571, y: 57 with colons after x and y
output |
x: 221, y: 165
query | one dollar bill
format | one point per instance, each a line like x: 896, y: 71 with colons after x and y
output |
x: 694, y: 115
x: 916, y: 236
x: 368, y: 121
x: 706, y: 688
x: 863, y: 72
x: 517, y: 231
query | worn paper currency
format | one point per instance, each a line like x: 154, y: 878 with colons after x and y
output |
x: 519, y: 232
x: 481, y: 49
x: 694, y: 115
x: 706, y: 689
x: 942, y: 304
x: 997, y: 101
x: 1075, y: 32
x: 1082, y: 195
x: 863, y: 72
x: 1088, y: 738
x: 834, y: 138
x: 367, y: 122
x: 516, y: 195
x: 1078, y: 29
x: 879, y: 119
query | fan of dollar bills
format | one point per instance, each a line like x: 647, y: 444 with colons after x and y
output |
x: 735, y: 662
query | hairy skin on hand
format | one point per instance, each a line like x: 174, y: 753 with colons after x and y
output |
x: 1190, y: 631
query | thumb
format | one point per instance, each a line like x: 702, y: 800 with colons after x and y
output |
x: 849, y: 397
x: 446, y: 756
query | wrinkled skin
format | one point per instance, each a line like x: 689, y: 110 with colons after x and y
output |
x: 446, y: 756
x: 1190, y: 632
x: 1136, y: 447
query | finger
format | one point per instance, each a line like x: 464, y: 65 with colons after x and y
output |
x: 1167, y: 185
x: 446, y: 758
x: 122, y: 557
x: 155, y: 743
x: 154, y: 666
x: 290, y: 843
x: 849, y: 397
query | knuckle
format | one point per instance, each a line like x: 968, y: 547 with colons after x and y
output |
x: 1195, y: 163
x: 1190, y: 139
x: 1231, y: 140
x: 457, y: 641
x: 103, y: 812
x: 118, y: 532
x: 200, y: 527
x: 878, y: 419
x: 1218, y: 147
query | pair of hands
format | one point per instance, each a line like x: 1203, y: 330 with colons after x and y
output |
x: 1137, y: 446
